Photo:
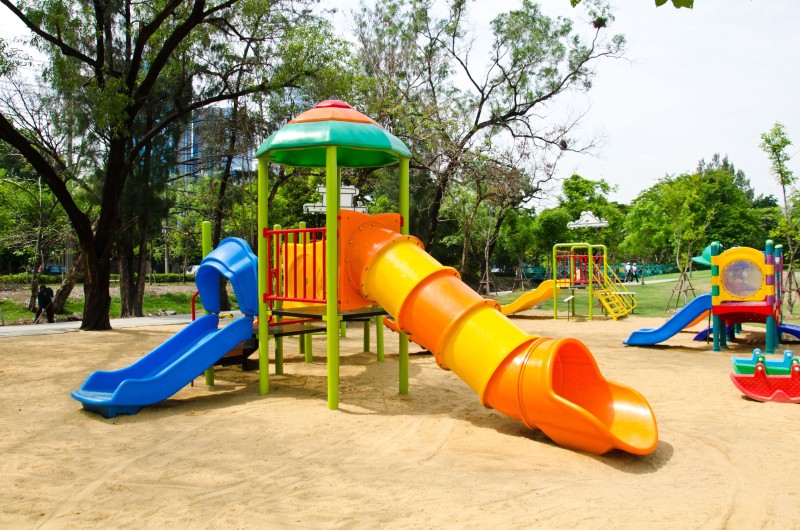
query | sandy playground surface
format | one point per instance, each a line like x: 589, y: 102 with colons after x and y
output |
x: 225, y: 457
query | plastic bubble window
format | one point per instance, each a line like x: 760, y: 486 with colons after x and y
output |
x: 742, y: 278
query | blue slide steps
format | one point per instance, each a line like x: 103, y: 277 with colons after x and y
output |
x: 681, y: 319
x: 176, y: 362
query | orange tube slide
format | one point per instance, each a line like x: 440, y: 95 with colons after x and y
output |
x: 553, y: 385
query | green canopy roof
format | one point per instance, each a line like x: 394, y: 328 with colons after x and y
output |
x: 704, y: 258
x: 303, y: 141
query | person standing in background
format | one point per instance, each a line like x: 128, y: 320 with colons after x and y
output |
x: 44, y: 299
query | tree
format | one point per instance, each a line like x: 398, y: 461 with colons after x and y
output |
x: 578, y: 195
x: 549, y: 229
x: 517, y: 237
x: 774, y: 143
x: 668, y: 218
x: 109, y: 60
x: 32, y: 225
x: 677, y: 3
x: 449, y: 110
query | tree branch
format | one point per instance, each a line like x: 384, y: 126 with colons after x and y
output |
x: 66, y: 49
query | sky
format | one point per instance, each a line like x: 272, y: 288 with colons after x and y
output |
x: 693, y: 82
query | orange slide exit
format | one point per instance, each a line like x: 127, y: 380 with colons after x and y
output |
x: 550, y: 384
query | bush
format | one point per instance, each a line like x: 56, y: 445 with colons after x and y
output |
x: 24, y: 278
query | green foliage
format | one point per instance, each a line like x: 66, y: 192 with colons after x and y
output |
x: 33, y: 227
x: 775, y: 142
x: 10, y: 59
x: 550, y: 228
x: 677, y: 3
x: 414, y: 62
x: 24, y: 278
x: 681, y: 215
x: 518, y: 235
x: 579, y: 195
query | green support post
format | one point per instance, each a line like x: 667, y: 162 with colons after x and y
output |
x: 307, y: 349
x: 205, y: 230
x: 379, y: 337
x: 263, y: 305
x: 331, y: 274
x: 771, y: 335
x: 404, y: 213
x: 366, y: 335
x: 716, y: 321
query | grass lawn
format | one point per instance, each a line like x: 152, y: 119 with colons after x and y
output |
x: 652, y: 296
x: 14, y: 311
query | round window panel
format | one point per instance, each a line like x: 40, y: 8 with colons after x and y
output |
x: 742, y: 278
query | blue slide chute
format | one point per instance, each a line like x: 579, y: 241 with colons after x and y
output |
x: 176, y: 362
x: 234, y: 260
x: 681, y: 319
x: 790, y: 329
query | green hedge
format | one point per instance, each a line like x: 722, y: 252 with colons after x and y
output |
x: 55, y: 279
x: 25, y: 279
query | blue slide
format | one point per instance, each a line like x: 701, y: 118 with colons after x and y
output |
x: 790, y: 329
x: 681, y: 319
x: 175, y: 363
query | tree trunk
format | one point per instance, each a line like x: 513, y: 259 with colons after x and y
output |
x: 97, y: 302
x: 63, y: 292
x: 34, y: 289
x: 216, y: 236
x: 126, y: 284
x: 141, y: 273
x: 433, y: 219
x: 494, y: 234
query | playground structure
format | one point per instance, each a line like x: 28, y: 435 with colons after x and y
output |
x: 529, y: 299
x: 768, y: 379
x: 585, y: 266
x: 745, y: 287
x: 374, y: 268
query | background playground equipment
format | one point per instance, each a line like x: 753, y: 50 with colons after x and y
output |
x: 585, y: 266
x: 374, y: 267
x: 744, y: 288
x: 531, y: 298
x: 765, y: 379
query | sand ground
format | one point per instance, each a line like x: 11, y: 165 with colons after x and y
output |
x: 225, y: 457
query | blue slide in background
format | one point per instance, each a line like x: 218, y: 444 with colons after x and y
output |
x: 180, y: 359
x: 790, y: 329
x: 681, y: 319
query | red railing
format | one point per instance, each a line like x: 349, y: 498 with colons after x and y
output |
x: 296, y: 265
x: 575, y: 267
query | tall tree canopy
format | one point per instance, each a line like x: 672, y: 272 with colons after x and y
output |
x: 108, y: 60
x: 453, y: 106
